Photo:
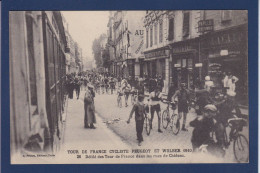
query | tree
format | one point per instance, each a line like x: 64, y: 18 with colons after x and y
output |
x: 97, y: 50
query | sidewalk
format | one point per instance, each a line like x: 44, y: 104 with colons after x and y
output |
x: 76, y: 137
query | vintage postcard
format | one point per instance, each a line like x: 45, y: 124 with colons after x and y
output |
x: 112, y: 87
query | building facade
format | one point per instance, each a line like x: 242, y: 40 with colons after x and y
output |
x: 125, y: 43
x: 224, y: 47
x: 37, y: 71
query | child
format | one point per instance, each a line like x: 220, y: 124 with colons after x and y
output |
x: 139, y: 110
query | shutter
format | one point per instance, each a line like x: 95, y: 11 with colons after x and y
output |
x: 170, y: 36
x: 186, y: 24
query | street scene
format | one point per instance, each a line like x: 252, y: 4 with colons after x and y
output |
x: 129, y: 86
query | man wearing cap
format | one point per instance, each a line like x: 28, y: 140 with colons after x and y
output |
x: 203, y: 125
x: 89, y: 108
x: 183, y: 98
x: 139, y: 110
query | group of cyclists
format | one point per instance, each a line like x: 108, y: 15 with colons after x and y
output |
x: 213, y: 105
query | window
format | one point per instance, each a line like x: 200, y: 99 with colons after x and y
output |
x: 226, y: 15
x: 171, y: 29
x: 31, y: 60
x: 151, y: 36
x: 155, y: 33
x: 161, y: 32
x: 184, y: 63
x: 163, y: 68
x: 147, y: 40
x: 186, y: 24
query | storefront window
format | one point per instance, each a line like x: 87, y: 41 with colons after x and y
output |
x: 184, y: 63
x: 190, y: 63
x: 179, y: 61
x: 163, y: 68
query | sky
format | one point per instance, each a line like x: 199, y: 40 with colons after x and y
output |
x: 85, y: 27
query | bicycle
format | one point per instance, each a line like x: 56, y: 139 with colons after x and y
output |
x: 174, y: 119
x: 240, y: 142
x: 236, y: 125
x: 147, y: 119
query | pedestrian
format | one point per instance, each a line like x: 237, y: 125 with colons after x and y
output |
x: 77, y: 86
x: 183, y: 97
x: 139, y: 110
x: 155, y: 97
x: 208, y: 83
x: 89, y: 118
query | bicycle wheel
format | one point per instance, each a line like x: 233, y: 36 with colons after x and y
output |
x: 241, y: 148
x: 175, y: 124
x: 165, y: 119
x: 147, y: 125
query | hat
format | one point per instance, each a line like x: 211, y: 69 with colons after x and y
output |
x: 210, y: 107
x: 207, y: 78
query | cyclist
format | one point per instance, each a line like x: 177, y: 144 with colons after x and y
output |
x: 155, y: 97
x: 112, y: 84
x: 106, y: 80
x: 139, y: 110
x: 183, y: 97
x: 119, y: 96
x: 127, y: 91
x: 203, y: 125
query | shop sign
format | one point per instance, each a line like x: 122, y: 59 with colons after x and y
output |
x: 198, y: 65
x: 183, y: 48
x: 214, y: 67
x: 157, y: 54
x: 205, y: 25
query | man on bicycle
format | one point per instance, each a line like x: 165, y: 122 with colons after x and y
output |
x: 203, y: 126
x: 183, y: 98
x: 155, y: 97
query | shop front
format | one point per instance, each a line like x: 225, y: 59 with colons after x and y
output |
x: 226, y: 51
x: 155, y: 63
x: 184, y: 57
x: 118, y: 69
x: 130, y: 67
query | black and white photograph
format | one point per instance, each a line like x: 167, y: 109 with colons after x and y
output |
x: 123, y: 87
